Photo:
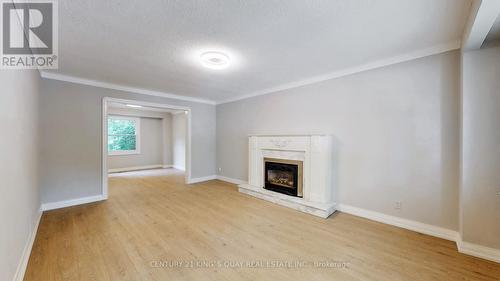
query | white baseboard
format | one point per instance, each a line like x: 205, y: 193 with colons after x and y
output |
x: 428, y: 229
x: 479, y: 251
x: 72, y: 202
x: 135, y: 168
x: 218, y: 177
x: 178, y: 167
x: 231, y: 180
x: 23, y: 263
x: 436, y: 231
x: 207, y: 178
x: 168, y: 166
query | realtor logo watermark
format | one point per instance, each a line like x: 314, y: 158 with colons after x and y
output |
x: 29, y: 35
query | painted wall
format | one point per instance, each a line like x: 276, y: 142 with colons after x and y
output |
x: 179, y: 140
x: 20, y: 198
x: 166, y: 131
x: 70, y: 120
x: 168, y: 144
x: 396, y: 132
x: 480, y: 190
x: 151, y: 147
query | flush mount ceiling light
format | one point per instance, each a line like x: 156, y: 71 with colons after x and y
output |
x: 214, y: 60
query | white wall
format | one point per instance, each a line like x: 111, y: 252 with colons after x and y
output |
x: 19, y: 191
x: 396, y: 133
x: 71, y: 126
x: 179, y: 140
x: 480, y: 197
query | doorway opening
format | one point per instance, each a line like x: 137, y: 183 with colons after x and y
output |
x: 139, y: 135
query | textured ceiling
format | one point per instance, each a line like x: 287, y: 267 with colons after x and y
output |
x: 155, y: 44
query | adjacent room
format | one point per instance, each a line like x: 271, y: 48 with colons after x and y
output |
x: 142, y: 138
x: 250, y: 140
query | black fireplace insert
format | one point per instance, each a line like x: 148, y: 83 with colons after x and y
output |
x: 283, y: 176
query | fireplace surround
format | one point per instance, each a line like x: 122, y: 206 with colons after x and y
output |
x: 314, y: 153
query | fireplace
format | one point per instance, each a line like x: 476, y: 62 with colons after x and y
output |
x: 309, y: 167
x: 283, y: 176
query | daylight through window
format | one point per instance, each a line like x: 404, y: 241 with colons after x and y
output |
x: 123, y: 135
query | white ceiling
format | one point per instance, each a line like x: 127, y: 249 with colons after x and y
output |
x: 155, y: 44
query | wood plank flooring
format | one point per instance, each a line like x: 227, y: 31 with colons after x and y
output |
x: 154, y: 227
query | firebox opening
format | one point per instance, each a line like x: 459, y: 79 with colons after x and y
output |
x: 283, y: 176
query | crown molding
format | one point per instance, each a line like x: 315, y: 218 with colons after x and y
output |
x: 482, y: 17
x: 175, y: 113
x: 438, y: 49
x: 118, y: 87
x: 450, y: 46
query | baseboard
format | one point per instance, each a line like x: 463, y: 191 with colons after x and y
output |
x: 178, y: 167
x: 23, y: 263
x: 72, y: 202
x: 202, y: 179
x: 478, y: 251
x: 168, y: 166
x: 428, y: 229
x: 230, y: 180
x: 213, y: 177
x: 436, y: 231
x: 135, y: 168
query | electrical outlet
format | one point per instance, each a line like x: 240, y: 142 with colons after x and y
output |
x: 397, y: 206
x: 220, y: 169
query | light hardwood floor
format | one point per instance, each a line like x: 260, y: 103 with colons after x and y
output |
x: 153, y: 216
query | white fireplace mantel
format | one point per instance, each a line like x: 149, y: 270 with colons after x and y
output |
x: 316, y: 153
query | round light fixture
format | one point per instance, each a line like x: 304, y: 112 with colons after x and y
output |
x: 214, y: 60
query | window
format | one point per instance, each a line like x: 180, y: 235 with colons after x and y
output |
x: 123, y: 135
